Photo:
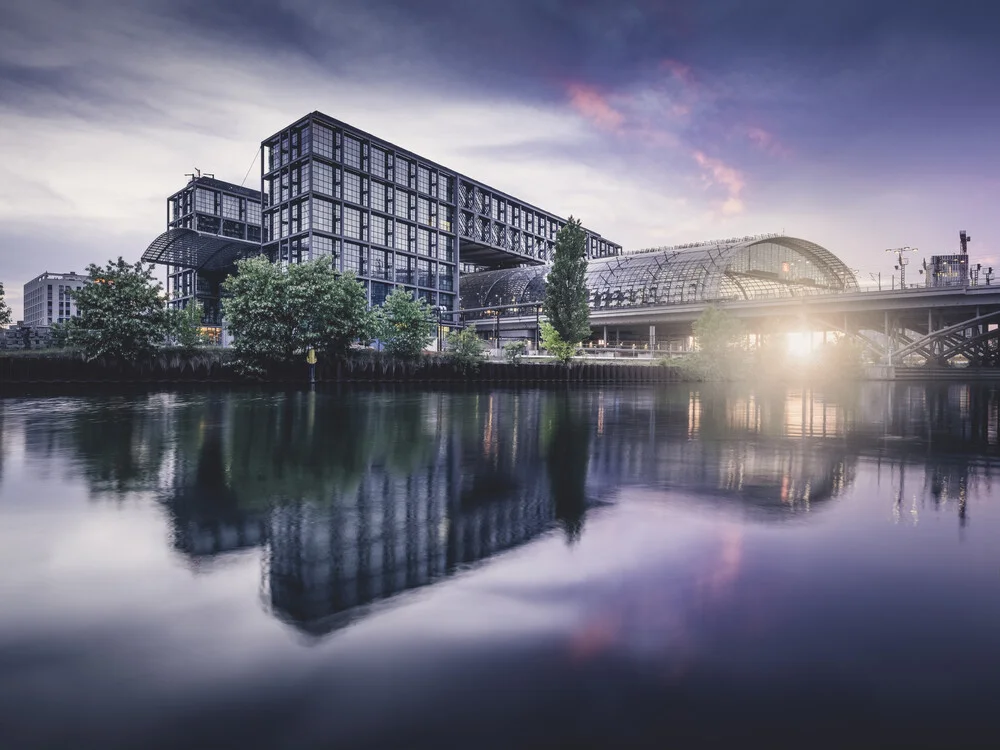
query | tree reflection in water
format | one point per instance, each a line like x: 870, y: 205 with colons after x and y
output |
x: 358, y: 495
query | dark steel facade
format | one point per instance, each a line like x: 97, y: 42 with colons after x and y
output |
x: 197, y: 264
x: 392, y: 217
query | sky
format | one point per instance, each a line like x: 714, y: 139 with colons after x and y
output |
x: 856, y: 124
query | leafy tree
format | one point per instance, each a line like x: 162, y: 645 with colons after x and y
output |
x: 62, y: 333
x: 555, y: 345
x: 566, y: 286
x: 720, y: 338
x: 185, y: 327
x: 404, y: 325
x: 4, y: 309
x: 465, y: 349
x: 122, y: 312
x: 514, y: 350
x: 275, y: 314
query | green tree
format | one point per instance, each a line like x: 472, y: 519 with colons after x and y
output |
x: 566, y: 285
x: 275, y: 314
x: 721, y: 352
x: 514, y: 350
x: 62, y: 333
x: 4, y: 309
x: 185, y: 327
x: 404, y: 325
x: 122, y: 312
x: 465, y: 349
x: 555, y: 345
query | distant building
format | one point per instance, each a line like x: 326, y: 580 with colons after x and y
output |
x: 47, y: 298
x: 948, y: 270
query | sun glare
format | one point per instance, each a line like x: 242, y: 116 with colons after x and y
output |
x: 800, y: 344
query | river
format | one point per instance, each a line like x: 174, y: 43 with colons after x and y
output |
x: 515, y: 568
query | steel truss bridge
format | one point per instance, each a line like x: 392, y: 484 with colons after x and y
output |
x: 933, y: 325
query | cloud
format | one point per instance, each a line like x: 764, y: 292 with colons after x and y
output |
x: 718, y: 173
x: 766, y: 142
x: 588, y: 102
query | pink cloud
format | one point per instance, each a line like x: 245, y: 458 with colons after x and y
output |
x: 716, y: 172
x: 766, y: 141
x: 679, y: 70
x: 595, y: 107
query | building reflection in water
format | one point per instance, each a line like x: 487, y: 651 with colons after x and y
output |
x: 357, y: 496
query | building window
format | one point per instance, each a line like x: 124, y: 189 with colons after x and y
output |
x: 379, y: 293
x: 404, y: 269
x: 401, y: 237
x: 446, y: 216
x: 352, y: 222
x: 423, y: 241
x: 204, y: 201
x: 354, y: 258
x: 381, y: 266
x: 253, y: 212
x: 378, y: 162
x: 323, y: 215
x: 230, y: 207
x: 402, y: 171
x: 424, y: 180
x: 446, y: 187
x: 233, y: 229
x: 352, y: 187
x: 208, y: 224
x: 402, y: 204
x: 378, y: 227
x: 321, y: 246
x: 423, y: 211
x: 352, y: 152
x: 322, y: 178
x: 322, y: 141
x: 378, y: 196
x: 446, y: 250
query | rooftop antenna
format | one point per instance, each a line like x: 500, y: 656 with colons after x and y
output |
x: 964, y: 239
x: 198, y: 175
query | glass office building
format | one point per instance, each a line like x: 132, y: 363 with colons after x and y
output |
x: 392, y: 217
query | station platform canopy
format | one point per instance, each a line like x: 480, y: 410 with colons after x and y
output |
x: 744, y: 268
x: 186, y: 248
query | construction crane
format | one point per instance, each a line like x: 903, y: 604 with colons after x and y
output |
x: 902, y: 262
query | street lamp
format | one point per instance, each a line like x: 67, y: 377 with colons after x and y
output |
x: 902, y: 262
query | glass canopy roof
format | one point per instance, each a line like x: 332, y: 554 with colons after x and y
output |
x: 187, y: 248
x: 762, y: 267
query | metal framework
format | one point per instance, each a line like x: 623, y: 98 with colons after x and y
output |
x: 188, y: 249
x: 761, y: 267
x: 210, y: 224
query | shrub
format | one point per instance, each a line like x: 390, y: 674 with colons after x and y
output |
x: 514, y: 350
x: 465, y: 349
x: 556, y: 346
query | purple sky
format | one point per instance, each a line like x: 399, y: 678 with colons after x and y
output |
x: 856, y: 124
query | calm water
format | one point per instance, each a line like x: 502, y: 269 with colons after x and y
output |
x: 603, y: 568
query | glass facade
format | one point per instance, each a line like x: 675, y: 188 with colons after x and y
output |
x: 391, y: 216
x: 750, y: 268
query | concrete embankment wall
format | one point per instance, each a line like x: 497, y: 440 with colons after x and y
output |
x: 25, y: 370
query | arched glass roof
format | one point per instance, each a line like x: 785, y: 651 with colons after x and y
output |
x: 762, y: 267
x: 187, y: 248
